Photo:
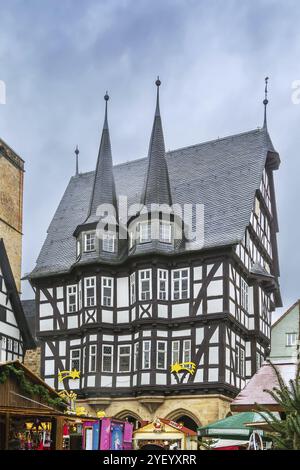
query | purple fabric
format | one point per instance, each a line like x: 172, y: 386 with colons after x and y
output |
x: 105, y: 434
x: 127, y: 439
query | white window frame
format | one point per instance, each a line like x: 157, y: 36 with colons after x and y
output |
x: 291, y: 339
x: 165, y: 232
x: 107, y: 355
x: 72, y: 290
x: 75, y: 358
x: 89, y: 241
x: 187, y: 348
x: 141, y: 280
x: 164, y: 351
x: 126, y: 355
x: 83, y: 359
x: 107, y: 300
x: 136, y: 356
x: 244, y: 293
x: 89, y: 283
x: 80, y: 294
x: 162, y: 277
x: 148, y: 352
x: 145, y: 232
x: 180, y: 279
x: 109, y: 242
x: 132, y: 288
x: 175, y: 351
x: 93, y: 355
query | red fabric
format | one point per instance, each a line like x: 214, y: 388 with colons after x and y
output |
x: 66, y: 430
x: 227, y: 448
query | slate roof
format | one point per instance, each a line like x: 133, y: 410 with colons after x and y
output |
x: 30, y: 314
x: 222, y: 174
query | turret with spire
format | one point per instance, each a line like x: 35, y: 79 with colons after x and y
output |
x: 157, y: 185
x: 103, y: 194
x: 104, y: 191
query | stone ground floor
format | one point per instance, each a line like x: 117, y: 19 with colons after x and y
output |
x: 192, y: 411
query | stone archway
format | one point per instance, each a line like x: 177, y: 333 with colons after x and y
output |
x: 188, y: 419
x: 128, y: 415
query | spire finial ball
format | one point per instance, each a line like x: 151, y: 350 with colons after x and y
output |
x: 106, y: 96
x: 158, y: 82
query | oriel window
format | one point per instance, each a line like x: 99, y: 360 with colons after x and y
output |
x: 107, y: 291
x: 90, y: 291
x: 124, y: 358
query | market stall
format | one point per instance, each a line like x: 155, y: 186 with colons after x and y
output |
x: 31, y: 412
x: 164, y: 434
x: 234, y: 432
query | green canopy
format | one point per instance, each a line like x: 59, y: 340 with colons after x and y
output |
x: 233, y: 426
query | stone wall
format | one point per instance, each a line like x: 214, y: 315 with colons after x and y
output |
x: 32, y: 360
x: 11, y: 207
x: 203, y: 409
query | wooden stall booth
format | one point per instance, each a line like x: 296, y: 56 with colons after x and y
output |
x: 164, y: 434
x: 31, y: 412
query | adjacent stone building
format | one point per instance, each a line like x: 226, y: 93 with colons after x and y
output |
x: 11, y: 207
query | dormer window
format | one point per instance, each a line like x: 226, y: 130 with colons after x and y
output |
x: 165, y: 232
x: 145, y: 232
x: 109, y: 242
x: 89, y: 241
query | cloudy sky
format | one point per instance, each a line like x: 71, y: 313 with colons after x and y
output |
x: 59, y: 57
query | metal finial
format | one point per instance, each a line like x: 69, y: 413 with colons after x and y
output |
x: 266, y: 101
x: 106, y: 97
x: 158, y: 82
x: 76, y: 151
x: 266, y: 91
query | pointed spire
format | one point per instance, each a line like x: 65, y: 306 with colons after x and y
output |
x: 76, y: 151
x: 104, y: 191
x: 157, y: 185
x: 265, y: 103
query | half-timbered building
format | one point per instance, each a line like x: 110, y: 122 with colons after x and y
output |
x: 123, y: 311
x: 15, y: 335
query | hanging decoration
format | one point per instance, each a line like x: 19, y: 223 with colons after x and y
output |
x: 68, y: 374
x: 189, y: 367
